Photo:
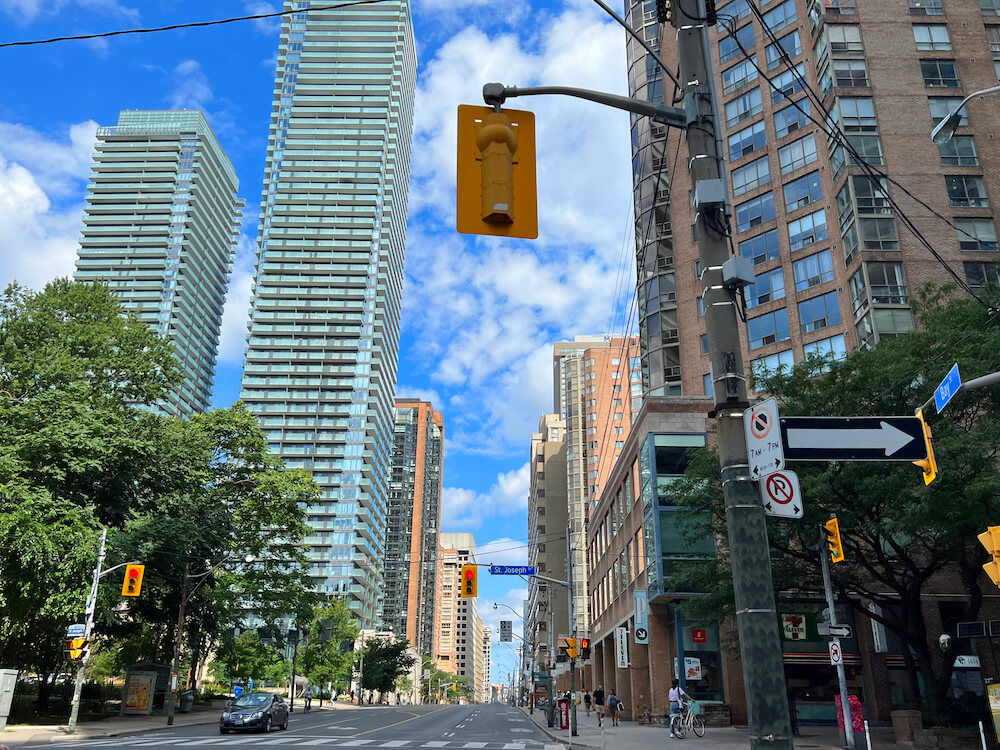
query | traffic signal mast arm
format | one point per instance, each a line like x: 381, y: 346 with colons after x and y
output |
x: 971, y: 385
x: 552, y: 580
x: 495, y: 94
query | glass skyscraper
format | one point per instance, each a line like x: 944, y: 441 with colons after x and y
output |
x: 160, y: 229
x: 323, y: 345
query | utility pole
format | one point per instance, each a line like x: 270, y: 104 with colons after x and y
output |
x: 845, y: 707
x: 550, y: 659
x: 174, y: 665
x: 572, y: 630
x: 295, y: 657
x: 91, y: 606
x: 756, y: 616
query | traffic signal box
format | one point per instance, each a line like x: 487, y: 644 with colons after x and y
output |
x: 497, y: 192
x: 990, y: 539
x: 76, y: 649
x: 834, y: 541
x: 469, y: 584
x: 929, y: 465
x: 569, y: 648
x: 133, y: 580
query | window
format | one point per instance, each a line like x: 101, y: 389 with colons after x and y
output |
x: 797, y: 154
x: 939, y: 73
x: 802, y: 192
x: 790, y: 119
x: 989, y: 7
x: 844, y: 37
x: 789, y: 45
x: 704, y: 343
x: 763, y: 247
x: 768, y: 329
x: 925, y: 7
x: 850, y: 73
x: 977, y: 235
x: 744, y: 107
x: 979, y: 274
x: 747, y: 141
x: 886, y: 283
x: 942, y: 106
x: 807, y: 229
x: 767, y: 287
x: 833, y: 348
x: 856, y: 114
x: 966, y: 192
x: 879, y: 234
x: 993, y: 38
x: 812, y: 271
x: 738, y: 9
x: 739, y: 75
x: 707, y: 378
x: 728, y: 48
x: 960, y: 151
x: 701, y: 305
x: 780, y: 17
x: 870, y: 196
x: 841, y: 7
x: 772, y: 364
x: 867, y: 147
x: 754, y: 212
x: 751, y: 176
x: 819, y: 312
x: 933, y: 37
x: 787, y: 83
x: 996, y: 68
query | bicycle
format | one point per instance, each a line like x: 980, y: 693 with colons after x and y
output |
x: 689, y: 720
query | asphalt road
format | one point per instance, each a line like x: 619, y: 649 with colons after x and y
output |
x: 483, y: 727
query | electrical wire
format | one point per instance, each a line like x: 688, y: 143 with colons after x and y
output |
x: 190, y: 25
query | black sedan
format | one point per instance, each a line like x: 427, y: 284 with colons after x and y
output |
x: 257, y: 711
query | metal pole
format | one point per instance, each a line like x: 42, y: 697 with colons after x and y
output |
x: 572, y: 630
x: 174, y: 665
x: 845, y: 707
x: 91, y: 605
x: 757, y: 620
x: 295, y: 656
x: 970, y: 385
x: 550, y: 658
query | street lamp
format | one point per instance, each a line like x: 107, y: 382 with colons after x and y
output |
x: 945, y: 129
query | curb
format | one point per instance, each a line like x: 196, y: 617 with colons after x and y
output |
x: 560, y: 737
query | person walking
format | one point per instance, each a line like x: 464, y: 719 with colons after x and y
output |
x: 599, y: 704
x: 308, y: 697
x: 586, y: 701
x: 614, y: 707
x: 676, y: 696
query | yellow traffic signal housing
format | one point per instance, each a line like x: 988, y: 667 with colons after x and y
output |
x: 133, y: 580
x: 469, y: 583
x: 929, y: 465
x: 990, y: 539
x: 497, y: 192
x: 76, y: 649
x: 834, y: 541
x: 571, y: 650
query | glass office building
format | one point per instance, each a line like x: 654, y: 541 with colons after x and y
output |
x: 320, y: 366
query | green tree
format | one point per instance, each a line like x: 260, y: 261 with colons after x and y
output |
x: 385, y: 660
x: 328, y: 654
x: 902, y: 538
x: 248, y: 657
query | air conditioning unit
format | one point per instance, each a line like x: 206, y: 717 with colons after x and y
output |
x: 971, y: 630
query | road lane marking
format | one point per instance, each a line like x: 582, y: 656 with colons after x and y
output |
x: 388, y: 726
x: 435, y: 743
x: 514, y: 746
x: 474, y: 744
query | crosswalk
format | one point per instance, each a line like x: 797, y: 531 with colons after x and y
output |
x: 312, y: 741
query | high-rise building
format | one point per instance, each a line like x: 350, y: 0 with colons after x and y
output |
x: 485, y: 657
x: 160, y: 230
x: 459, y: 633
x: 323, y: 344
x: 411, y: 544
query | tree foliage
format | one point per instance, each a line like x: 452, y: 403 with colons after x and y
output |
x: 385, y: 660
x: 327, y: 657
x: 248, y: 657
x: 902, y: 539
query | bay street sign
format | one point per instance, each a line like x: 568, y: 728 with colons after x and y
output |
x: 853, y: 439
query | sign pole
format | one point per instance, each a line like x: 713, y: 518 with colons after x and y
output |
x: 572, y: 630
x: 845, y: 707
x: 74, y: 713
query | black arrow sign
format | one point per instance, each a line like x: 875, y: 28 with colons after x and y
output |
x: 853, y: 439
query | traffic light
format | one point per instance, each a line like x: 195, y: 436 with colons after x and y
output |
x: 497, y: 193
x: 570, y: 648
x: 76, y: 649
x: 833, y: 540
x: 454, y: 687
x: 133, y: 580
x: 929, y: 465
x: 584, y: 648
x: 991, y: 540
x: 469, y: 583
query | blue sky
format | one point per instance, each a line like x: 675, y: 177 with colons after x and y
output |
x: 479, y: 314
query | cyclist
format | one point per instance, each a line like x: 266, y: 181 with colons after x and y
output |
x: 676, y: 695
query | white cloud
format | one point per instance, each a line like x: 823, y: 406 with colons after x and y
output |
x: 503, y: 551
x: 263, y: 25
x: 424, y: 394
x: 466, y: 509
x: 56, y: 165
x: 26, y: 11
x: 192, y: 90
x: 236, y: 313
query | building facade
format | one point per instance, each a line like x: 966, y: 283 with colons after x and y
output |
x: 322, y: 353
x: 411, y: 560
x: 486, y: 664
x: 459, y: 635
x: 160, y: 229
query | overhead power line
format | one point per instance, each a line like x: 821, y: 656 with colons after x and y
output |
x: 190, y: 25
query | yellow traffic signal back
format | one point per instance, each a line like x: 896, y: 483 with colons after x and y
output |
x: 469, y: 582
x: 834, y: 541
x: 133, y: 580
x: 929, y: 464
x: 990, y: 539
x: 497, y: 193
x: 76, y: 649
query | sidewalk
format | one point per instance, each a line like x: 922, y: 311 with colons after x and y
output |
x: 631, y: 736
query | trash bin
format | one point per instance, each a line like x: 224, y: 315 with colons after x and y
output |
x: 186, y: 701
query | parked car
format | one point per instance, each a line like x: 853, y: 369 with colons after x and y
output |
x: 257, y: 711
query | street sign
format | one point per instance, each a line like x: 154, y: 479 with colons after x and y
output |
x: 760, y: 424
x: 853, y: 439
x: 540, y: 677
x: 781, y: 495
x: 506, y: 631
x: 512, y: 570
x: 834, y: 631
x: 75, y: 631
x: 621, y: 647
x: 836, y: 657
x: 948, y: 388
x: 641, y: 614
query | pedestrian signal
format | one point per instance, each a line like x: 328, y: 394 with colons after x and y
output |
x: 133, y: 580
x: 469, y: 583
